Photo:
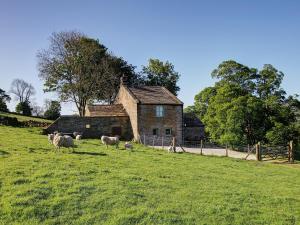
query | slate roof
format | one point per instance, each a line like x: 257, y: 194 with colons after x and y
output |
x: 191, y: 120
x: 154, y: 95
x: 107, y: 110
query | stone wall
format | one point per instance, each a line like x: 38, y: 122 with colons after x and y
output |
x: 172, y: 119
x: 92, y: 127
x: 130, y: 104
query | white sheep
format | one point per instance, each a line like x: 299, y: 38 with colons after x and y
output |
x: 63, y: 141
x: 78, y: 137
x: 128, y: 145
x: 50, y: 138
x: 110, y: 141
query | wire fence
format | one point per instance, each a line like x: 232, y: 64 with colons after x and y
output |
x: 208, y: 147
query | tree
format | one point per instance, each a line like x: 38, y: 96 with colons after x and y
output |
x: 53, y: 109
x: 37, y: 110
x: 158, y: 73
x: 115, y: 68
x: 247, y: 105
x: 22, y: 90
x: 24, y: 108
x: 3, y: 99
x: 80, y: 69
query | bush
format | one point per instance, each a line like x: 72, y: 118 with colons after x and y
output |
x: 24, y: 108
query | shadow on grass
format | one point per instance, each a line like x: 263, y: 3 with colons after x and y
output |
x: 90, y: 153
x: 3, y: 153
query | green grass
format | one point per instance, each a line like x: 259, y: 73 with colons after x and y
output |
x: 95, y: 185
x: 25, y: 118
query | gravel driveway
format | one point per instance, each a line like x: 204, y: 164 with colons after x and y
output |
x: 215, y: 151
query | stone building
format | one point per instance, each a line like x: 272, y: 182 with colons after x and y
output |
x: 138, y: 112
x: 193, y: 127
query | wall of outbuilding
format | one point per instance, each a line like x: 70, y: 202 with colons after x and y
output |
x: 92, y: 127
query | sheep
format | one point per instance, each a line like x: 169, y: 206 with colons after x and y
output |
x: 171, y: 149
x: 63, y: 141
x: 128, y: 145
x: 50, y: 138
x: 78, y: 137
x: 110, y: 141
x: 76, y: 133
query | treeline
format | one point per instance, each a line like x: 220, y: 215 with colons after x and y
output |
x: 82, y: 70
x: 247, y: 105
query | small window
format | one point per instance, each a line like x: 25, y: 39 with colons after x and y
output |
x: 159, y: 111
x: 87, y: 126
x: 168, y: 131
x: 155, y: 131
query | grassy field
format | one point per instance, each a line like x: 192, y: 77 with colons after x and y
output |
x: 95, y: 185
x: 25, y: 118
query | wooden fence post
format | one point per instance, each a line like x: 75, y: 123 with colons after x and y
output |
x: 226, y: 151
x: 174, y: 144
x: 144, y: 139
x: 291, y: 152
x: 201, y: 146
x: 258, y: 152
x: 162, y: 142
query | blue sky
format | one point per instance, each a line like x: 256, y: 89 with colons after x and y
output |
x: 195, y: 36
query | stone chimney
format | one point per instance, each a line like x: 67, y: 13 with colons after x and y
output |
x: 124, y: 80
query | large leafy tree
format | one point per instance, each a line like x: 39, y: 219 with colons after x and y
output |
x: 3, y: 99
x: 80, y: 69
x: 159, y: 73
x: 247, y: 105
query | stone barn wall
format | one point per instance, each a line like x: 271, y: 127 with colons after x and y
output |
x: 172, y: 119
x: 92, y: 127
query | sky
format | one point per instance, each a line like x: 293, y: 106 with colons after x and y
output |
x: 196, y: 36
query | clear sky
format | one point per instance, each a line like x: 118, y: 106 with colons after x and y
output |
x: 195, y: 36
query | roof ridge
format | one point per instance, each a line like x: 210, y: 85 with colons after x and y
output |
x: 132, y: 94
x: 171, y: 94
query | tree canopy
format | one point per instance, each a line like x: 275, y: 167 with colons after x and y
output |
x: 159, y: 73
x: 81, y: 70
x: 22, y: 90
x: 53, y: 109
x: 247, y: 105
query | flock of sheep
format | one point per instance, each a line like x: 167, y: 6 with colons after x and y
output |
x: 61, y: 140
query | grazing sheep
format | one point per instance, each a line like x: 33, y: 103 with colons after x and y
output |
x: 171, y: 149
x: 75, y: 134
x: 50, y: 138
x: 110, y: 141
x: 63, y: 141
x: 128, y: 145
x: 78, y: 137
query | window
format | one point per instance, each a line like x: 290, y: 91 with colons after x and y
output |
x: 159, y: 111
x: 155, y: 131
x: 168, y: 131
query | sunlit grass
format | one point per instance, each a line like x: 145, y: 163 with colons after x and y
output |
x: 25, y: 118
x: 95, y: 185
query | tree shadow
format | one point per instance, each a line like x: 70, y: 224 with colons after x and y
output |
x: 90, y: 153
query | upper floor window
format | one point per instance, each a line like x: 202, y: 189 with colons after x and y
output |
x: 159, y: 111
